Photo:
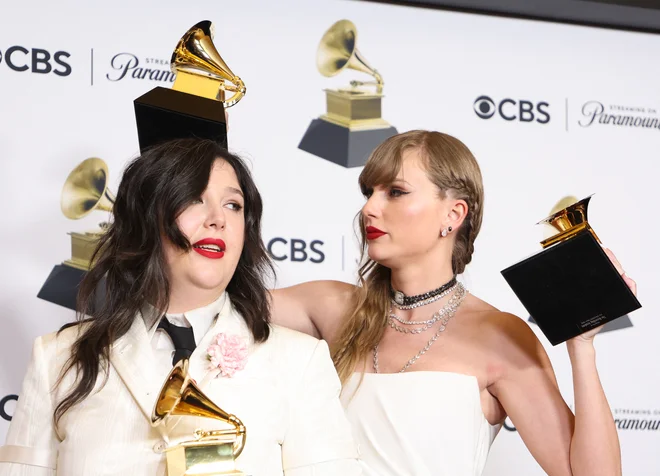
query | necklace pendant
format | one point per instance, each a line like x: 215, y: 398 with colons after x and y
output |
x: 399, y: 298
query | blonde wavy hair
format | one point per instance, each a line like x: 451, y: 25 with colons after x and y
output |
x: 453, y: 169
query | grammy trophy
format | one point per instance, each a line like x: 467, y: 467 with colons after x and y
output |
x: 85, y: 190
x: 570, y: 286
x: 206, y: 453
x: 352, y: 127
x: 195, y: 106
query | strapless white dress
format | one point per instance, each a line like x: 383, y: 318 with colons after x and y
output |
x: 418, y: 424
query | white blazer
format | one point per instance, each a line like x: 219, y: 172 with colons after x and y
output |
x: 287, y: 396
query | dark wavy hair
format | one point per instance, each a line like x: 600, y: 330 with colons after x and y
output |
x: 130, y: 268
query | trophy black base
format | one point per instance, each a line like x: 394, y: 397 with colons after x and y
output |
x: 571, y: 288
x: 341, y: 145
x: 164, y: 114
x: 622, y: 322
x: 61, y: 286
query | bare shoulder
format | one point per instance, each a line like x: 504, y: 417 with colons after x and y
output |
x: 325, y: 289
x: 507, y: 337
x: 316, y: 308
x: 501, y: 324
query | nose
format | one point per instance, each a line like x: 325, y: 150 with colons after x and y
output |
x: 371, y: 209
x: 215, y: 217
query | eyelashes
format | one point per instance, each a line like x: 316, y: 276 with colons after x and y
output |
x: 393, y: 192
x: 397, y: 192
x: 234, y: 206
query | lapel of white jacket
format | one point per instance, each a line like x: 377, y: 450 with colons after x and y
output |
x: 228, y: 321
x: 133, y: 359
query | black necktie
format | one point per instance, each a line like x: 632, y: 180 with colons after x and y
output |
x: 182, y: 337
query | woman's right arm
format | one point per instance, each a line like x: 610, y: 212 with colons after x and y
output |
x: 316, y: 308
x: 31, y: 444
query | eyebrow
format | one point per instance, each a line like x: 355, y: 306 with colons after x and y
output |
x: 398, y: 180
x: 235, y: 190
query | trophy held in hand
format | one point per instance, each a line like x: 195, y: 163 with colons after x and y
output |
x: 206, y: 453
x: 570, y: 286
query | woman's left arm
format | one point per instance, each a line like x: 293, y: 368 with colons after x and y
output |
x: 592, y: 412
x: 563, y: 444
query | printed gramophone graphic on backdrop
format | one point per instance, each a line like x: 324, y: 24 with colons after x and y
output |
x: 85, y: 190
x: 352, y: 127
x: 570, y: 286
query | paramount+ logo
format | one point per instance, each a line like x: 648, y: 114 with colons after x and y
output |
x: 36, y: 60
x: 512, y: 110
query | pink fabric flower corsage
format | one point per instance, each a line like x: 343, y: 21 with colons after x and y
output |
x: 228, y: 353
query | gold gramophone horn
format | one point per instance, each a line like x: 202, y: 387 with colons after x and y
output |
x: 569, y: 217
x: 338, y: 50
x: 86, y: 189
x: 200, y: 68
x: 181, y: 396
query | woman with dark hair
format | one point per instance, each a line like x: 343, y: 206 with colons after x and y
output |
x: 430, y: 371
x: 183, y: 266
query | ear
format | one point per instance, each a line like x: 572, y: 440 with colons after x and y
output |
x: 456, y: 214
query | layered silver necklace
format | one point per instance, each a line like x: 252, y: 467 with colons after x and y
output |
x: 427, y: 324
x: 444, y: 315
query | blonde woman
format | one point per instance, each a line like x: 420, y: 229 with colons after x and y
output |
x: 430, y: 371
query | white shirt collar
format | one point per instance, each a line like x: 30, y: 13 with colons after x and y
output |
x: 201, y: 319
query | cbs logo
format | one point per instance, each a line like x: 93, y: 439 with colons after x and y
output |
x: 4, y: 404
x: 37, y: 60
x: 512, y: 110
x: 296, y: 250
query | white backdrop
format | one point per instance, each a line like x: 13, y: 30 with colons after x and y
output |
x: 435, y: 65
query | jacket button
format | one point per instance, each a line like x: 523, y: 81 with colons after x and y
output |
x: 160, y: 447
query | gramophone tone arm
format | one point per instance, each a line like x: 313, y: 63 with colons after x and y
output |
x: 356, y: 83
x: 235, y: 85
x: 210, y: 434
x: 239, y: 430
x: 378, y: 83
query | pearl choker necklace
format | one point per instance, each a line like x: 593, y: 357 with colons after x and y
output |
x: 402, y: 300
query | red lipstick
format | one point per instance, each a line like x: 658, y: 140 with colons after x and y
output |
x: 373, y: 233
x: 213, y: 248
